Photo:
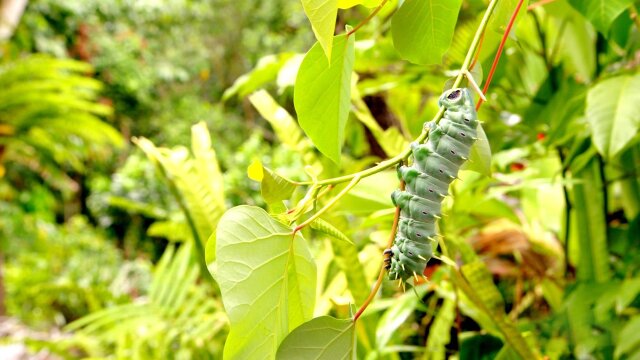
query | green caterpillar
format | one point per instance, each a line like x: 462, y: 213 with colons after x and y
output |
x: 435, y: 165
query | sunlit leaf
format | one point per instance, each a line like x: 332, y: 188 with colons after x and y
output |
x: 612, y: 112
x: 328, y: 229
x: 578, y: 47
x: 267, y: 279
x: 422, y: 30
x: 323, y: 338
x: 275, y: 187
x: 196, y: 181
x: 322, y: 15
x: 322, y: 95
x: 484, y: 293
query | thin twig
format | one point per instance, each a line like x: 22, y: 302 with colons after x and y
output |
x: 331, y: 202
x: 376, y: 287
x: 368, y: 18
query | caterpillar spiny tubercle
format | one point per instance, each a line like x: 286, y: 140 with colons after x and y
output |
x: 435, y: 165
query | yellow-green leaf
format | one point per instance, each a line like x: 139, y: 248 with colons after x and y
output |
x: 322, y: 15
x: 322, y: 95
x: 323, y: 338
x: 612, y: 112
x: 267, y: 279
x: 274, y: 187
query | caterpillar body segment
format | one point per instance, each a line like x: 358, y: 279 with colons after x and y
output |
x: 435, y: 164
x: 429, y: 162
x: 423, y: 185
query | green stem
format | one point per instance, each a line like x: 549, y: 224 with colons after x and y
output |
x: 331, y: 202
x: 474, y: 44
x: 368, y: 18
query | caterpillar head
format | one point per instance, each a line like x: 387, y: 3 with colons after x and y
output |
x: 453, y: 97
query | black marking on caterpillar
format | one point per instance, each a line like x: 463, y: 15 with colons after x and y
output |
x: 435, y: 165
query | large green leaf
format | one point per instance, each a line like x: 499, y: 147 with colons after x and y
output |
x: 322, y: 15
x: 322, y: 95
x: 480, y: 155
x: 267, y: 279
x: 321, y: 338
x: 422, y: 30
x: 612, y: 112
x: 577, y: 47
x: 601, y: 13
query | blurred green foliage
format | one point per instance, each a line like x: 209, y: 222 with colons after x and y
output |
x: 47, y: 277
x: 113, y: 239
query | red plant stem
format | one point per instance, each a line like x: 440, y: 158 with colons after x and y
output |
x: 383, y: 270
x: 499, y: 52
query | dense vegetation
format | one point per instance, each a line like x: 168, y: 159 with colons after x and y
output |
x: 196, y: 179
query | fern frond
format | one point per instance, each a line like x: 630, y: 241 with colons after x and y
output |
x: 196, y: 179
x: 177, y: 315
x: 50, y: 105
